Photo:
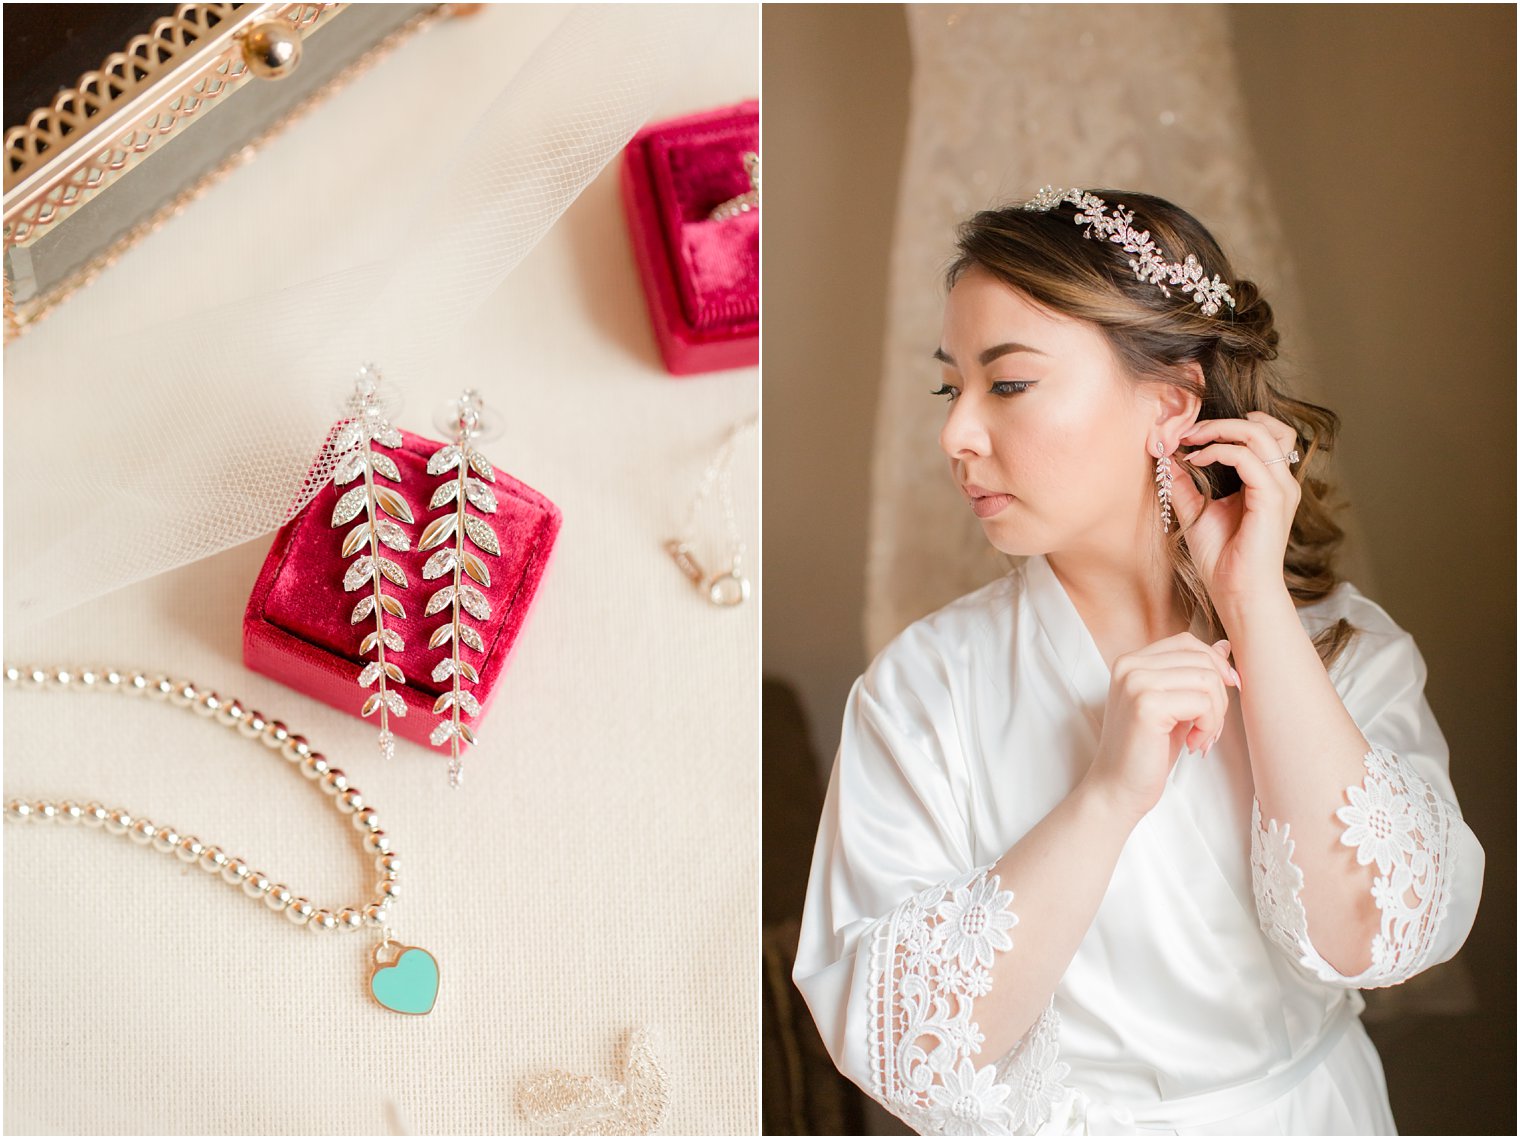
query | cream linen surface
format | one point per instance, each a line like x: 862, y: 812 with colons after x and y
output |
x: 598, y: 869
x: 966, y: 731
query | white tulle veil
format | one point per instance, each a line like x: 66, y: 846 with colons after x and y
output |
x: 203, y: 426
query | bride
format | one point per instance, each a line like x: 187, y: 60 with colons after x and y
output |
x: 1111, y: 843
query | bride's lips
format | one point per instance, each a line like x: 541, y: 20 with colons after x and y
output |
x: 986, y: 502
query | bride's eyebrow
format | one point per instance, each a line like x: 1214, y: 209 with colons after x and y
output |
x: 990, y: 354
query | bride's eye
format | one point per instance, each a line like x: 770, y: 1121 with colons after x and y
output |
x: 944, y: 389
x: 1011, y: 387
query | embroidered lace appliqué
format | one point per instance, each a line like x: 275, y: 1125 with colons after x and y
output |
x: 930, y: 961
x: 1395, y: 819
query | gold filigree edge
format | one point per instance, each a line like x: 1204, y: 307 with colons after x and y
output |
x: 16, y: 324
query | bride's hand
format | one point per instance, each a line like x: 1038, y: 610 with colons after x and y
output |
x: 1238, y: 542
x: 1161, y: 697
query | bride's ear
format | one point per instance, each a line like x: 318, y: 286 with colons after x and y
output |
x: 1177, y: 408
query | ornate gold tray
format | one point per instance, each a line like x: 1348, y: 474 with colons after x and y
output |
x: 89, y: 174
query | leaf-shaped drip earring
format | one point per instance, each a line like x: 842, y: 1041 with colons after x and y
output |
x: 354, y: 444
x: 460, y: 492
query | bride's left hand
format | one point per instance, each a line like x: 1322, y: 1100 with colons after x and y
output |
x: 1238, y: 542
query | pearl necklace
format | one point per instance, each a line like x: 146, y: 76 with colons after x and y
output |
x: 408, y: 982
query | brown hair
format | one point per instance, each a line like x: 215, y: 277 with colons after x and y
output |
x: 1048, y: 257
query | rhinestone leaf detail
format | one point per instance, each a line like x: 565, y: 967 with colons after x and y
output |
x: 482, y: 468
x: 392, y: 572
x: 349, y: 435
x: 349, y: 506
x: 480, y: 496
x: 474, y: 602
x: 460, y: 493
x: 440, y: 563
x: 355, y: 440
x: 482, y: 535
x: 349, y: 468
x: 392, y: 535
x: 1149, y: 264
x: 360, y: 574
x: 445, y: 459
x: 1164, y: 491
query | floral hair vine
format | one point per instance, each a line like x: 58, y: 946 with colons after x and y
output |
x: 1149, y: 265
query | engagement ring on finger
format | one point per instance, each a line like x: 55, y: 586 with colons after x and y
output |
x: 1290, y: 458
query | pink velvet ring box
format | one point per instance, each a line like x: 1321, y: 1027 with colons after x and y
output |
x: 297, y: 629
x: 701, y: 277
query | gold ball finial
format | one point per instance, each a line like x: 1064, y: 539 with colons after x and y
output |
x: 272, y: 49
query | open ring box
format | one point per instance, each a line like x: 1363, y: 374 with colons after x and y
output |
x: 701, y: 277
x: 297, y: 626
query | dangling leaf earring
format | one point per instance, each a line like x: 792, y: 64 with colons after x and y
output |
x: 456, y: 561
x: 1164, y: 485
x: 355, y: 444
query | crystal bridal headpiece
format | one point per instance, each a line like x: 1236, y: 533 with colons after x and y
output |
x: 1149, y: 265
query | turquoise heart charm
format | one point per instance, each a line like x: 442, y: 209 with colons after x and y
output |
x: 409, y: 983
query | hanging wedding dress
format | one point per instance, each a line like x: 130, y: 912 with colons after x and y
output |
x: 1196, y: 1002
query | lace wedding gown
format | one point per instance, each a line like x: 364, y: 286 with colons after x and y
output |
x: 1196, y: 1002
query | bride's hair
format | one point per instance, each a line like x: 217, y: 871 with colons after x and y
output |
x: 1045, y: 255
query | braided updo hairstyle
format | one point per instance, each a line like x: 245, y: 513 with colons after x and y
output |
x: 1047, y: 256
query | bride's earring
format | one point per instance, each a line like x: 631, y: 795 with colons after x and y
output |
x: 1164, y: 485
x: 354, y: 444
x: 459, y: 493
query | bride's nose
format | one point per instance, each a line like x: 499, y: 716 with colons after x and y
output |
x: 964, y: 435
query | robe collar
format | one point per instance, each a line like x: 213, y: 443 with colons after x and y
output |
x: 1081, y: 662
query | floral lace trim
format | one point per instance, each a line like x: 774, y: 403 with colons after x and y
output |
x: 1276, y: 880
x: 930, y: 961
x: 562, y: 1103
x: 1395, y: 819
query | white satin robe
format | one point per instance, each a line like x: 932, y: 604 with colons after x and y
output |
x: 1196, y: 1002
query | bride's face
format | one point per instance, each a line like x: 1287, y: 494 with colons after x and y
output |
x: 1046, y: 438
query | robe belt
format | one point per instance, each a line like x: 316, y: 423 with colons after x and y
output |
x: 1204, y: 1108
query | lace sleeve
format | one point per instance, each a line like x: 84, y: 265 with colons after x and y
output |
x: 1395, y: 819
x: 930, y: 962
